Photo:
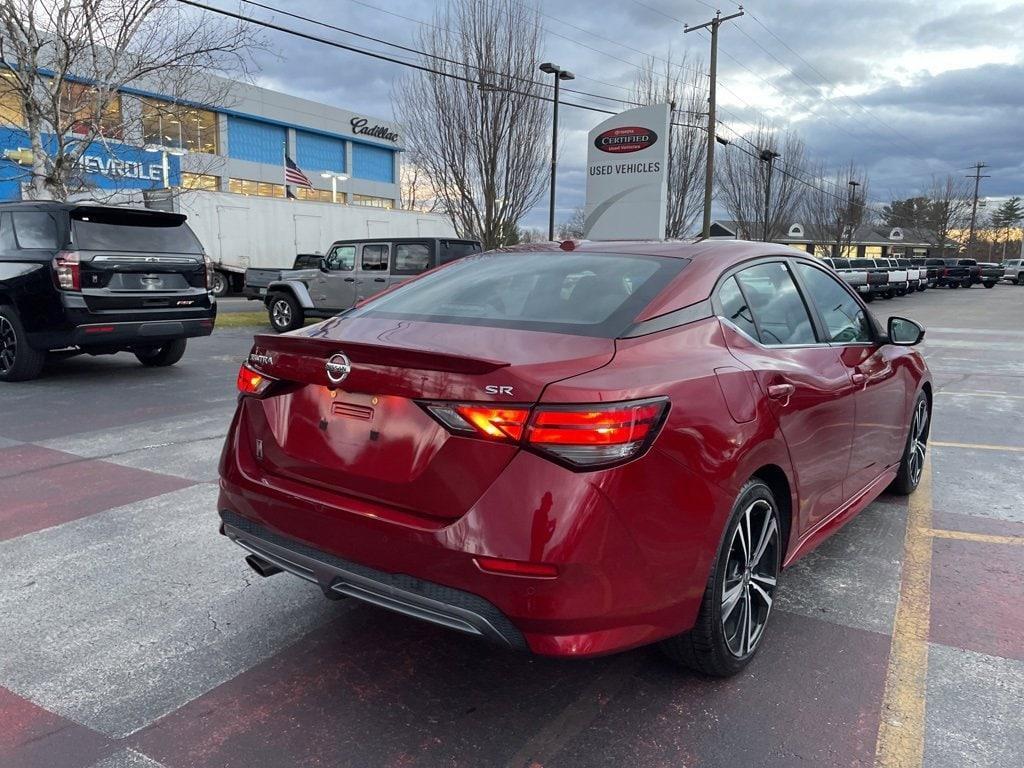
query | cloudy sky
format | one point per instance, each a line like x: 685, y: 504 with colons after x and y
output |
x: 908, y: 88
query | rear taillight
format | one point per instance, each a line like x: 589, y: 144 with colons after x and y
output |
x: 579, y: 436
x: 208, y: 269
x: 943, y: 272
x: 66, y: 273
x: 252, y: 382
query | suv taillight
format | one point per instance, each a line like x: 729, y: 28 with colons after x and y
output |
x: 208, y: 267
x: 66, y: 274
x: 591, y: 436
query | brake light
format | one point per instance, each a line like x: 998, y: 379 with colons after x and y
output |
x: 208, y: 269
x: 580, y: 436
x: 516, y: 567
x: 596, y: 435
x: 252, y: 382
x: 66, y: 273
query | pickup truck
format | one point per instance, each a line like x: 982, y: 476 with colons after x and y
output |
x: 868, y: 284
x: 952, y: 274
x: 930, y: 270
x: 257, y: 279
x: 916, y: 276
x: 878, y: 277
x: 991, y: 273
x: 352, y: 271
x: 1013, y: 270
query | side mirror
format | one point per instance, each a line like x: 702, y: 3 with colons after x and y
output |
x: 323, y: 265
x: 904, y: 333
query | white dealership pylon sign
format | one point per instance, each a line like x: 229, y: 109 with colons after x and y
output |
x: 627, y: 186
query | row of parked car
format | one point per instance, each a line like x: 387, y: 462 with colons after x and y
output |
x: 891, y: 277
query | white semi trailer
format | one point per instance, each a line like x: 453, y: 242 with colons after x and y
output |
x: 240, y: 231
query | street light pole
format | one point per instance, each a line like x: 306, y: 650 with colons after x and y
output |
x: 849, y: 215
x: 767, y: 156
x: 559, y: 75
x: 335, y: 178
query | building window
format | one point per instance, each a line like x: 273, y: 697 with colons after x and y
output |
x: 317, y: 195
x: 375, y: 202
x: 256, y: 188
x: 11, y: 111
x: 200, y: 181
x: 872, y: 252
x: 84, y: 109
x: 373, y: 163
x: 178, y: 125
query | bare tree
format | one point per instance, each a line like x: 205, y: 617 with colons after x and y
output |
x: 416, y: 191
x: 827, y: 208
x: 477, y: 137
x: 572, y: 228
x: 742, y: 178
x: 685, y: 87
x: 949, y: 209
x: 65, y: 64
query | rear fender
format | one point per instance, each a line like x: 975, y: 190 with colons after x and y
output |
x: 295, y: 288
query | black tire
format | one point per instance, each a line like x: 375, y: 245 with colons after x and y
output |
x: 220, y: 284
x: 18, y: 361
x: 284, y: 312
x: 868, y: 297
x: 714, y: 647
x: 912, y: 463
x: 890, y: 294
x: 954, y: 285
x: 920, y: 288
x: 1018, y: 280
x: 989, y: 285
x: 162, y: 356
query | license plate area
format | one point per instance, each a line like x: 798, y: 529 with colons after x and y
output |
x: 147, y: 281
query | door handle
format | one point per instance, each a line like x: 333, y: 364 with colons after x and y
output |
x: 379, y: 280
x: 781, y: 391
x: 350, y: 279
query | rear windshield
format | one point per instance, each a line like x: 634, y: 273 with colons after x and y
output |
x: 129, y: 231
x: 583, y: 294
x: 862, y: 262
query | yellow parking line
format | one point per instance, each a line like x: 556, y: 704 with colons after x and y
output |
x: 901, y: 726
x: 984, y: 538
x: 978, y: 446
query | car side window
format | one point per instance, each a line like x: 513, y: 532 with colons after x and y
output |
x: 35, y: 230
x: 735, y: 309
x: 342, y: 258
x: 780, y: 313
x: 375, y: 257
x: 845, y: 320
x: 411, y: 258
x: 6, y: 234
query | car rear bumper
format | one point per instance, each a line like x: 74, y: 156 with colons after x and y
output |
x: 424, y: 600
x: 622, y: 580
x: 120, y: 333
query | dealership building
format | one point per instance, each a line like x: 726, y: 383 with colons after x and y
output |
x: 236, y: 149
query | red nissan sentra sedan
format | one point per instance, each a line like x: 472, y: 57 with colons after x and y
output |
x: 581, y: 450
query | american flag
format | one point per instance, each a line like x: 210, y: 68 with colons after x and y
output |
x: 294, y: 175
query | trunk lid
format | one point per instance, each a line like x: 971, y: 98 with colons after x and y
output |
x: 368, y: 437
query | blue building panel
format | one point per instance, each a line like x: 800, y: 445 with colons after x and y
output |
x: 255, y: 141
x: 109, y: 166
x: 315, y: 153
x: 373, y: 163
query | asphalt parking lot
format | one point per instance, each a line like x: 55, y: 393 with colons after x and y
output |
x: 132, y: 635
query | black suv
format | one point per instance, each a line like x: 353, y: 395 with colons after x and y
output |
x: 98, y: 279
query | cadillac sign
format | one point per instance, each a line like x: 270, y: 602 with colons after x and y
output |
x: 627, y: 163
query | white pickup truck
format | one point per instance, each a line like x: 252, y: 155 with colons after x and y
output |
x: 868, y: 283
x: 917, y: 277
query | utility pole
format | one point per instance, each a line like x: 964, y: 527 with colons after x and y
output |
x: 709, y: 178
x: 767, y: 156
x: 977, y: 176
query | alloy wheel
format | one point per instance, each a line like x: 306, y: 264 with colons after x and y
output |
x: 918, y: 440
x: 8, y: 345
x: 751, y: 573
x: 281, y: 313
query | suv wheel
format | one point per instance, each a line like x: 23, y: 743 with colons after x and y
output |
x: 740, y: 590
x: 18, y: 361
x: 219, y: 284
x: 285, y: 313
x: 162, y: 356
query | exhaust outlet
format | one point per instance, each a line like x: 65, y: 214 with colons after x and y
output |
x: 263, y: 567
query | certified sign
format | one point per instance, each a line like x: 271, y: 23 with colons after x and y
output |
x: 630, y: 138
x: 627, y: 190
